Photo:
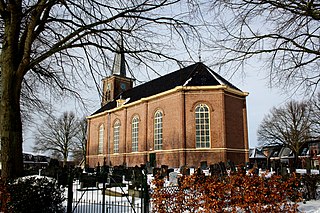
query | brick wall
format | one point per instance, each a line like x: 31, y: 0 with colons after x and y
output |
x: 227, y: 125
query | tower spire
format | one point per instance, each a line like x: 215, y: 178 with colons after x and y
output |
x: 117, y: 82
x: 119, y: 65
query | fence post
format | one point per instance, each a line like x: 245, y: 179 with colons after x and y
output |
x: 145, y: 191
x: 104, y: 186
x: 70, y: 191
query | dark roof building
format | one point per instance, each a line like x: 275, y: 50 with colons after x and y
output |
x: 189, y: 116
x: 197, y: 74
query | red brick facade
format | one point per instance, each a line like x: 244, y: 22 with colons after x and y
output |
x: 228, y: 128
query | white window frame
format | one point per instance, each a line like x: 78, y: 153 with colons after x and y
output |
x: 116, y: 137
x: 135, y: 134
x: 158, y: 130
x: 101, y: 139
x: 202, y: 123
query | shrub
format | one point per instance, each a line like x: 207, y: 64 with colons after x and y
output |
x: 4, y: 196
x: 34, y: 194
x: 310, y: 182
x: 237, y: 192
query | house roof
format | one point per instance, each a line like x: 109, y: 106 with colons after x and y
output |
x: 256, y: 153
x: 196, y: 74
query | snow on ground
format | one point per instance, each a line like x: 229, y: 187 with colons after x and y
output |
x: 312, y: 206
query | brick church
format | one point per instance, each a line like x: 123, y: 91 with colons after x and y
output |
x: 190, y: 116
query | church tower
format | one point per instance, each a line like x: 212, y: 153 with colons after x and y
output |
x: 118, y: 82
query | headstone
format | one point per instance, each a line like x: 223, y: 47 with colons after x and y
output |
x: 104, y: 169
x: 215, y: 170
x: 89, y: 170
x: 199, y: 171
x: 152, y: 159
x: 156, y: 172
x: 184, y: 170
x: 128, y: 174
x: 223, y: 170
x: 164, y: 171
x: 191, y: 171
x: 231, y: 166
x: 98, y: 169
x: 203, y: 165
x: 173, y: 178
x: 256, y: 171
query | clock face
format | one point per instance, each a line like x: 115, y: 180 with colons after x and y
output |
x: 123, y: 86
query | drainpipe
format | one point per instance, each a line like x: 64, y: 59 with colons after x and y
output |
x: 146, y: 134
x: 125, y: 138
x: 108, y: 138
x: 184, y: 127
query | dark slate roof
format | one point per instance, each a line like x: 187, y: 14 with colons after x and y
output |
x: 256, y: 153
x: 197, y: 74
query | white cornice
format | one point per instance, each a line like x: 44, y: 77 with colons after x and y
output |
x: 174, y: 90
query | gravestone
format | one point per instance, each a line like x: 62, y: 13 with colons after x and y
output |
x: 215, y: 170
x: 231, y: 166
x: 88, y: 180
x: 203, y: 165
x: 222, y: 167
x: 156, y: 172
x: 164, y: 171
x: 173, y: 178
x: 149, y: 168
x: 184, y: 170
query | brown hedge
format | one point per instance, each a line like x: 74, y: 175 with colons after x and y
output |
x: 236, y: 192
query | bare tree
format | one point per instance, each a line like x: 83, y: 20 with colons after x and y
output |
x: 59, y: 135
x: 282, y: 35
x: 315, y: 103
x: 289, y: 125
x: 51, y: 44
x: 79, y: 153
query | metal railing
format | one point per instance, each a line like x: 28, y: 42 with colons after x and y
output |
x: 108, y: 192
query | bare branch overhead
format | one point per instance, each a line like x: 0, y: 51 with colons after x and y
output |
x: 280, y: 35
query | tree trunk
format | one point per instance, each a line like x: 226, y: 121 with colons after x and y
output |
x: 11, y: 125
x: 65, y: 159
x: 13, y: 67
x: 295, y: 165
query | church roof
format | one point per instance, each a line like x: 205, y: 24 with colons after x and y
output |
x: 196, y: 74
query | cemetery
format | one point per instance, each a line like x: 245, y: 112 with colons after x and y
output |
x: 134, y: 189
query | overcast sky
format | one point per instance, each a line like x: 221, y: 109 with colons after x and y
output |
x: 259, y: 102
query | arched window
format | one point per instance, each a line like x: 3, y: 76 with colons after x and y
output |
x: 158, y: 130
x: 100, y: 143
x: 116, y: 134
x: 134, y: 133
x: 202, y: 126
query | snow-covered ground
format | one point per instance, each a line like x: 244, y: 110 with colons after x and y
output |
x: 312, y: 206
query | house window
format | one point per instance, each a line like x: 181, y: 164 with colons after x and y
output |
x: 134, y: 133
x: 116, y: 133
x: 202, y: 126
x: 158, y: 130
x: 100, y: 144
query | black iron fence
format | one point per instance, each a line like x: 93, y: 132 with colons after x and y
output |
x: 108, y: 190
